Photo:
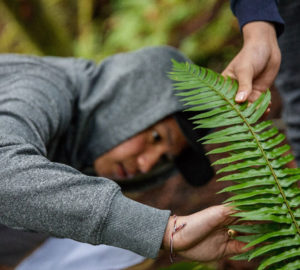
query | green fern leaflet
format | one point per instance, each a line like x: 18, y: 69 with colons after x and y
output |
x: 265, y: 189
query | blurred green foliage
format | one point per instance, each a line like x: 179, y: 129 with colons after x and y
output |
x: 206, y: 31
x: 189, y: 266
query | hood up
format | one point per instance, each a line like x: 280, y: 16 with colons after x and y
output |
x: 124, y: 95
x: 121, y: 97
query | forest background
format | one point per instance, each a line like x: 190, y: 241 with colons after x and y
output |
x: 206, y: 31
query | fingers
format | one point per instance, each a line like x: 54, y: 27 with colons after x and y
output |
x: 234, y: 247
x: 255, y: 94
x: 218, y: 215
x: 243, y: 74
x: 256, y: 65
x: 228, y: 210
x: 244, y: 77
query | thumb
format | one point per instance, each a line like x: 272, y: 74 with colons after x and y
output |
x: 244, y: 78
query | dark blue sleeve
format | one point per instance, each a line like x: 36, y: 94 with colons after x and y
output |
x: 257, y: 10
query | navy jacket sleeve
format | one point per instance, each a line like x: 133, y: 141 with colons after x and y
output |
x: 257, y: 10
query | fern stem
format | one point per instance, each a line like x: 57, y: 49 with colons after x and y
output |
x: 272, y: 171
x: 263, y: 153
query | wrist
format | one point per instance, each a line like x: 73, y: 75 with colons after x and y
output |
x: 169, y: 235
x: 166, y: 239
x: 259, y: 31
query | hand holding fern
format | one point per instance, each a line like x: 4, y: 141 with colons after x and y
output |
x: 204, y: 237
x: 256, y: 65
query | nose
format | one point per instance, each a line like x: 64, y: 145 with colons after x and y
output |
x: 148, y: 159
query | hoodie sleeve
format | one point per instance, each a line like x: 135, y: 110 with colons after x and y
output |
x: 36, y: 102
x: 257, y: 10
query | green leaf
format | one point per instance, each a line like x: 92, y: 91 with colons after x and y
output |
x: 221, y: 123
x: 190, y: 85
x: 268, y: 217
x: 264, y: 210
x: 295, y: 202
x: 287, y: 181
x: 282, y: 161
x: 262, y: 108
x: 245, y: 164
x: 240, y: 156
x: 207, y: 106
x: 199, y: 92
x: 229, y: 89
x: 232, y: 138
x: 267, y: 134
x: 292, y: 192
x: 291, y: 265
x: 277, y: 245
x: 252, y: 194
x: 247, y: 238
x: 261, y: 182
x: 283, y: 256
x: 247, y: 174
x: 292, y: 171
x: 271, y: 200
x: 262, y: 125
x: 286, y: 172
x: 244, y: 256
x: 226, y: 132
x: 215, y: 120
x: 235, y: 146
x: 251, y: 109
x: 202, y: 97
x: 213, y: 112
x: 267, y: 236
x: 273, y: 142
x: 277, y: 152
x: 256, y: 228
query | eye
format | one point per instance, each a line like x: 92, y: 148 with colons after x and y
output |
x: 156, y: 136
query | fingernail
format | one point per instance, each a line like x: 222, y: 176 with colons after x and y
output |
x: 240, y: 96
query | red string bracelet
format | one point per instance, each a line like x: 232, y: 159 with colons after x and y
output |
x: 175, y: 230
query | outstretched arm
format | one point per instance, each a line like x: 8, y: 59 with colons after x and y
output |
x: 37, y: 99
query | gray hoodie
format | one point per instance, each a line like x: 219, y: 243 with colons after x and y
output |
x: 57, y: 115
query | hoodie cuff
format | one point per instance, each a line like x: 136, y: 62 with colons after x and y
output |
x: 135, y: 226
x: 258, y: 10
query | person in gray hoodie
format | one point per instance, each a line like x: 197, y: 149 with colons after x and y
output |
x: 60, y: 117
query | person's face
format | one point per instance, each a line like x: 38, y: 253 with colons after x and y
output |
x: 140, y: 153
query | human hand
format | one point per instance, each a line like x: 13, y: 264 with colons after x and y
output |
x: 257, y: 64
x: 205, y: 235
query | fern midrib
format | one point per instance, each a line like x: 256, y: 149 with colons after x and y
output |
x: 264, y: 156
x: 271, y: 169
